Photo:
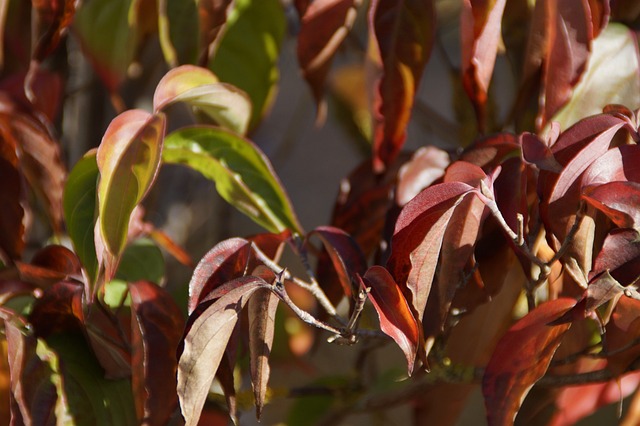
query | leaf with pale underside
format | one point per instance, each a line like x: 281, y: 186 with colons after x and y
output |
x: 128, y: 159
x: 198, y: 87
x: 395, y: 315
x: 243, y: 175
x: 618, y: 201
x: 206, y: 340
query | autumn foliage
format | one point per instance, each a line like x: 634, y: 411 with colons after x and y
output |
x: 507, y: 261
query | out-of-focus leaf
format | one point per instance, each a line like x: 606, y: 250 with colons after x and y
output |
x: 11, y: 226
x: 402, y: 32
x: 128, y: 159
x: 50, y: 19
x: 141, y: 260
x: 49, y: 265
x: 178, y: 31
x: 92, y: 398
x: 199, y: 88
x: 425, y: 167
x: 323, y: 27
x: 205, y: 342
x: 417, y: 239
x: 157, y: 329
x: 243, y: 175
x: 612, y: 76
x: 480, y: 36
x: 521, y: 358
x: 80, y: 211
x: 59, y: 309
x: 396, y: 317
x: 310, y: 409
x: 107, y: 38
x: 262, y: 316
x: 248, y: 50
x: 622, y: 328
x: 229, y: 259
x: 212, y: 17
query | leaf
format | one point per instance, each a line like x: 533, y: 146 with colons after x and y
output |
x: 50, y: 19
x: 60, y: 308
x: 157, y: 325
x: 534, y: 151
x: 602, y: 289
x: 612, y: 76
x: 141, y: 260
x: 242, y: 173
x: 178, y: 31
x: 212, y: 17
x: 128, y: 159
x: 396, y: 317
x: 248, y: 50
x: 227, y: 260
x: 619, y: 254
x: 623, y: 327
x: 521, y: 358
x: 80, y: 207
x: 617, y: 164
x: 402, y: 33
x: 205, y: 343
x: 426, y: 166
x: 262, y: 315
x: 323, y: 27
x: 417, y: 239
x: 199, y: 88
x: 11, y: 226
x: 618, y: 201
x: 480, y: 35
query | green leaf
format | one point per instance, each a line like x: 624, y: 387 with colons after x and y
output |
x: 178, y: 29
x: 198, y: 87
x: 80, y: 211
x: 611, y: 77
x: 128, y: 159
x: 248, y: 52
x: 242, y: 173
x: 92, y: 399
x: 141, y: 260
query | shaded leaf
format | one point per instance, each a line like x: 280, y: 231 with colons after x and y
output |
x: 205, y: 343
x: 396, y: 317
x: 50, y: 21
x: 623, y: 327
x: 535, y: 151
x: 80, y: 211
x: 248, y: 50
x: 262, y: 315
x: 108, y: 331
x: 402, y: 32
x: 59, y: 309
x: 157, y: 330
x: 128, y: 159
x: 480, y: 35
x: 618, y: 201
x: 619, y: 254
x: 178, y: 31
x: 11, y: 226
x: 243, y: 175
x: 141, y: 260
x: 511, y: 373
x: 323, y: 27
x: 212, y: 17
x: 199, y: 88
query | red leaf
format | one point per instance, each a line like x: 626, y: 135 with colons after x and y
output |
x: 417, y: 239
x: 480, y: 35
x: 618, y: 201
x: 520, y: 359
x: 426, y: 166
x: 206, y: 340
x: 403, y: 33
x: 212, y: 16
x: 619, y: 255
x: 396, y: 318
x: 618, y: 164
x: 229, y: 259
x: 323, y: 27
x: 534, y: 151
x: 622, y: 328
x: 50, y: 20
x: 157, y: 326
x: 60, y: 308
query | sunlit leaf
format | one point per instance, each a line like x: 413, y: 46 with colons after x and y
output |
x: 157, y: 325
x: 618, y: 201
x: 403, y: 32
x: 521, y: 358
x: 242, y: 173
x: 128, y: 159
x: 248, y: 50
x: 612, y: 76
x: 396, y: 317
x: 199, y: 88
x: 80, y: 211
x: 205, y: 343
x: 425, y: 167
x: 619, y: 255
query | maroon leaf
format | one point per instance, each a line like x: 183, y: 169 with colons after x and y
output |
x: 212, y: 16
x: 618, y: 164
x: 417, y: 239
x: 534, y: 151
x: 619, y: 255
x: 11, y: 226
x: 60, y: 308
x: 229, y: 259
x: 480, y: 36
x: 205, y: 343
x: 521, y: 358
x: 402, y: 34
x: 425, y: 167
x: 323, y: 27
x: 618, y: 201
x: 622, y: 328
x: 50, y: 21
x: 396, y: 317
x: 157, y: 325
x: 109, y: 335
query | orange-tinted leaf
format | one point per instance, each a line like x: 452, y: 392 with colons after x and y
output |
x: 50, y: 21
x: 128, y: 160
x: 205, y: 342
x: 396, y: 317
x: 212, y: 16
x: 521, y: 358
x: 403, y: 32
x: 323, y: 27
x: 480, y: 26
x: 622, y: 328
x: 157, y: 329
x: 229, y: 259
